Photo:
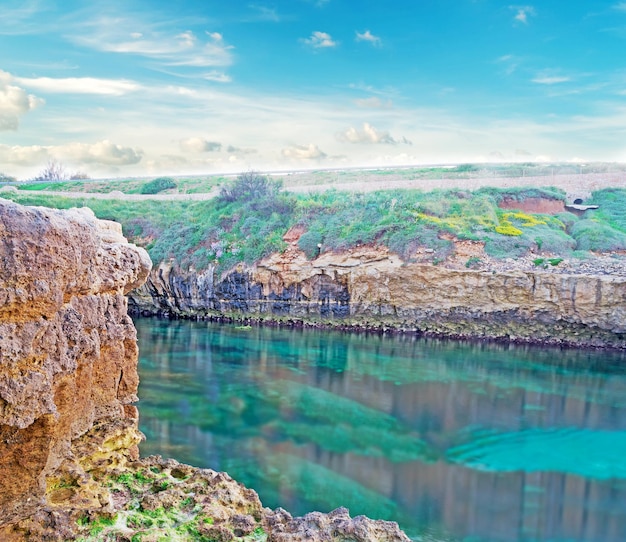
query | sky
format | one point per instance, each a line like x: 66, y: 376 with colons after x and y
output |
x: 177, y: 87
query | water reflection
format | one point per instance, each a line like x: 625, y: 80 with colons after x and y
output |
x: 455, y: 441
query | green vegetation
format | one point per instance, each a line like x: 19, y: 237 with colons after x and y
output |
x: 250, y: 216
x: 147, y: 513
x: 158, y: 185
x: 544, y: 262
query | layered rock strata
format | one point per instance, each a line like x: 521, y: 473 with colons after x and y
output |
x: 372, y: 288
x: 69, y: 466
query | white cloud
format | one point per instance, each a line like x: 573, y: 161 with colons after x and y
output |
x: 368, y: 134
x: 304, y: 152
x: 80, y: 85
x: 320, y: 40
x: 198, y: 144
x: 23, y: 155
x: 369, y: 37
x: 620, y: 6
x: 104, y: 153
x: 14, y: 102
x: 523, y: 12
x: 118, y: 35
x: 545, y: 79
x: 374, y: 102
x: 218, y: 77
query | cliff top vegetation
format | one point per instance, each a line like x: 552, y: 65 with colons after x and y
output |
x: 251, y: 214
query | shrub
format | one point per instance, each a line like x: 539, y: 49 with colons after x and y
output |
x: 79, y: 176
x: 309, y: 243
x: 506, y: 246
x: 506, y: 228
x: 612, y: 202
x: 158, y: 185
x: 249, y: 186
x: 550, y: 239
x: 593, y: 235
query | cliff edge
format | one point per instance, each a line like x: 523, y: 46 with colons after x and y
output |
x: 69, y: 466
x: 371, y: 288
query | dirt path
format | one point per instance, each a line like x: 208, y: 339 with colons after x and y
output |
x: 575, y: 185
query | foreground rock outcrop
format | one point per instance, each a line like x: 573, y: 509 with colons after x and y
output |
x: 371, y: 288
x: 69, y: 466
x: 68, y: 355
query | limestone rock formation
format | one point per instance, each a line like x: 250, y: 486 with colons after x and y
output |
x: 336, y: 525
x: 369, y: 287
x: 68, y: 355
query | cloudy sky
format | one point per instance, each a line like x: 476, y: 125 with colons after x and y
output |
x: 146, y: 87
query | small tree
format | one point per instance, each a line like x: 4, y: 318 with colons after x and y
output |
x: 249, y: 186
x: 54, y: 171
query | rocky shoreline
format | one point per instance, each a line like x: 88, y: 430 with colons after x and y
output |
x: 161, y: 499
x: 530, y: 300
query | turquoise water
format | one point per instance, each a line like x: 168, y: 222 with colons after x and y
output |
x: 455, y: 441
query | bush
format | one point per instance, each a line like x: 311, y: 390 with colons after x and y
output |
x: 505, y: 246
x: 158, y: 185
x: 310, y: 243
x: 612, y: 202
x: 249, y: 186
x: 552, y: 240
x: 593, y: 235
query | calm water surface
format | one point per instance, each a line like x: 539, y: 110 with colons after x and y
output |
x: 455, y: 441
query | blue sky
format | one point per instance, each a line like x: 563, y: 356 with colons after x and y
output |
x: 140, y: 87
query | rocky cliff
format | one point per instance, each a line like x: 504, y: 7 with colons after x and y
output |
x: 68, y: 355
x: 369, y: 287
x: 69, y: 466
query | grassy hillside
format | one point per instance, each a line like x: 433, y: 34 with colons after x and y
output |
x: 250, y: 216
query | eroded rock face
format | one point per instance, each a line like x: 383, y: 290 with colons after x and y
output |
x: 68, y: 355
x: 373, y: 288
